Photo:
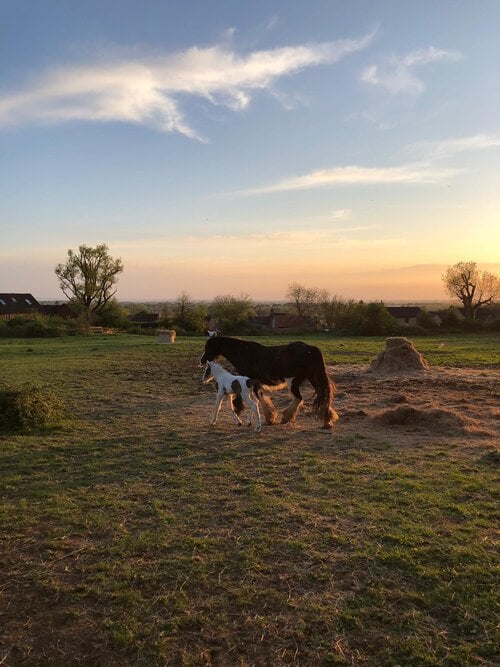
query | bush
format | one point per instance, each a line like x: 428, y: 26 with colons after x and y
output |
x: 28, y: 407
x: 41, y: 327
x: 372, y: 319
x: 493, y: 325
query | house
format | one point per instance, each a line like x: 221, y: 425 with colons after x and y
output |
x: 25, y: 305
x: 18, y: 305
x: 145, y: 319
x: 283, y: 321
x: 405, y: 316
x: 448, y: 315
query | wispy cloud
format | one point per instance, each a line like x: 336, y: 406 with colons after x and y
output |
x: 397, y: 73
x: 341, y: 214
x: 449, y: 147
x: 151, y: 90
x: 357, y: 175
x: 273, y: 244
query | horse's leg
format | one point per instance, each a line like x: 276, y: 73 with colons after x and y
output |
x: 254, y: 407
x: 290, y: 412
x: 270, y: 413
x: 231, y: 407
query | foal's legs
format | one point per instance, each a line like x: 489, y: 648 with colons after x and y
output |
x: 253, y: 404
x: 218, y: 402
x: 290, y: 412
x: 233, y: 411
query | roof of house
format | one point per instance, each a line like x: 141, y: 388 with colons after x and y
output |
x: 12, y: 303
x: 404, y: 311
x: 145, y: 318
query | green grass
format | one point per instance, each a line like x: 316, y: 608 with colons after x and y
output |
x: 137, y: 535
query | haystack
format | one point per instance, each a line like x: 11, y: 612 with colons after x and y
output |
x: 399, y: 356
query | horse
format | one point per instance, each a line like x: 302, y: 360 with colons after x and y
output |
x: 231, y: 386
x: 275, y: 367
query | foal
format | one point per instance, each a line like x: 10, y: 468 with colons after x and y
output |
x: 233, y: 385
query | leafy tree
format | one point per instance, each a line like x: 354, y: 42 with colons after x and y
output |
x: 425, y: 320
x: 88, y: 278
x: 370, y: 319
x: 474, y: 288
x: 113, y: 315
x: 232, y: 312
x: 303, y: 299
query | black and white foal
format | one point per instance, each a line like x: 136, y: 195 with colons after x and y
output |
x: 231, y: 385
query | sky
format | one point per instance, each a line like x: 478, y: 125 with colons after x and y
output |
x: 230, y: 147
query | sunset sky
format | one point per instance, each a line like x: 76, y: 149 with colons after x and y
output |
x: 221, y: 147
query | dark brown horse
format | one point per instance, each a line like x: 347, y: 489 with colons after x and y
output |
x: 276, y: 366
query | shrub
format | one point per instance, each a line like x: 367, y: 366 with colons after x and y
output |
x: 28, y: 407
x: 493, y: 325
x: 41, y: 327
x: 372, y: 319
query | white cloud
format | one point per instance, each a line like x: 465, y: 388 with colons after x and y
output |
x: 150, y: 90
x: 357, y: 175
x: 341, y: 213
x: 448, y: 147
x: 397, y: 74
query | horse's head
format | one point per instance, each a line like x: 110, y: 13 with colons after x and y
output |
x: 211, y: 351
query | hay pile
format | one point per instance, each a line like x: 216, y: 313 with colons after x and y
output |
x: 399, y: 356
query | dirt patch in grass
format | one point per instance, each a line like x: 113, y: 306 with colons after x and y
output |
x: 458, y: 404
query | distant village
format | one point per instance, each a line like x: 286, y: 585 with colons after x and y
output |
x: 270, y: 318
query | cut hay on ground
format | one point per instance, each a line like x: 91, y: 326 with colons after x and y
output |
x: 436, y: 420
x: 399, y: 356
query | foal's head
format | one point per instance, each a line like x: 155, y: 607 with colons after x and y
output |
x: 207, y: 375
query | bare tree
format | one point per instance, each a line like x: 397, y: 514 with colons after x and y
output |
x: 303, y: 299
x: 183, y: 307
x: 474, y: 288
x: 88, y: 278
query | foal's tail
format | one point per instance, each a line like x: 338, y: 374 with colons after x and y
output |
x: 325, y: 391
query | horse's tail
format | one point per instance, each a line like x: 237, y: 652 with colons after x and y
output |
x: 325, y: 390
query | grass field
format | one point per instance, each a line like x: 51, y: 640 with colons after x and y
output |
x: 134, y: 534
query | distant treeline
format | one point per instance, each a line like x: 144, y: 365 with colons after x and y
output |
x: 232, y: 315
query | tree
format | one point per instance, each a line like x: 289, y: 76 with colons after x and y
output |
x: 182, y: 308
x: 334, y: 311
x: 303, y: 299
x: 370, y: 319
x: 88, y: 278
x: 188, y: 315
x: 474, y: 288
x: 232, y: 312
